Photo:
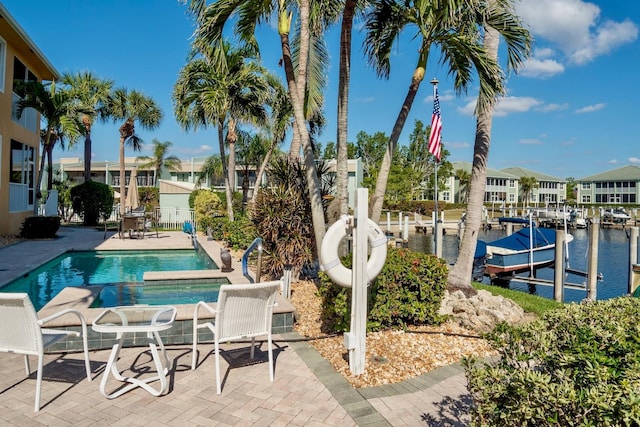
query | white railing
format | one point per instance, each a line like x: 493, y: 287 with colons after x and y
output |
x: 19, y: 197
x: 175, y: 217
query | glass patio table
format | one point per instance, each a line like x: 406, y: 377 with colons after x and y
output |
x: 142, y: 319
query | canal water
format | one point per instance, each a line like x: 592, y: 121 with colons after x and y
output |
x: 613, y: 261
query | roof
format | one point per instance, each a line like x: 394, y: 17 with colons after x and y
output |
x: 17, y: 37
x: 491, y: 173
x: 624, y: 173
x: 522, y: 172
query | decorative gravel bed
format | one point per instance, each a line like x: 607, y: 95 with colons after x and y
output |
x: 392, y: 356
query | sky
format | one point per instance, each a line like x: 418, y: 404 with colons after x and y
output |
x: 571, y: 111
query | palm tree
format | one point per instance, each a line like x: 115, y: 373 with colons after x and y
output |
x: 518, y: 41
x: 91, y: 94
x: 211, y: 169
x: 344, y: 78
x: 60, y: 120
x: 160, y: 160
x: 221, y: 86
x: 452, y: 26
x: 131, y: 107
x: 463, y: 177
x: 211, y: 22
x: 527, y: 185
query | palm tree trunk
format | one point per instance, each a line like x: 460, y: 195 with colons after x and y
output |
x: 460, y: 273
x: 381, y: 184
x: 87, y: 148
x: 126, y: 130
x: 261, y: 170
x: 38, y: 183
x: 225, y: 172
x: 342, y: 172
x: 50, y: 167
x: 122, y: 178
x: 231, y: 142
x: 313, y: 183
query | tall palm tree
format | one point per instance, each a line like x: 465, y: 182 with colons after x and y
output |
x: 279, y: 123
x: 451, y: 26
x: 61, y: 120
x: 221, y: 86
x: 211, y: 23
x: 128, y: 107
x: 518, y: 41
x: 160, y: 160
x: 344, y: 78
x: 91, y: 94
x: 527, y: 185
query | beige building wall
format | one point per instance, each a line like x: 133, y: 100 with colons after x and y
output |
x: 15, y: 43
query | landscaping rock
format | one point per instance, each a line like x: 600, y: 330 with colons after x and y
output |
x: 480, y: 312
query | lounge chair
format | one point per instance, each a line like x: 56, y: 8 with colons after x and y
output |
x: 21, y: 332
x: 242, y: 311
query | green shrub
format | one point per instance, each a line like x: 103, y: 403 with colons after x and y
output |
x: 40, y: 227
x: 238, y: 234
x: 92, y: 201
x: 282, y: 218
x: 206, y: 205
x: 408, y: 291
x: 578, y: 365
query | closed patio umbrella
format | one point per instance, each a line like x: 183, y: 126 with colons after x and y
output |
x: 132, y: 202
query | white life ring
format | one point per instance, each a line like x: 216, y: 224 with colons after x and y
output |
x: 330, y: 261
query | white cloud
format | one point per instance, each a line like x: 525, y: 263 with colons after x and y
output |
x: 530, y: 141
x: 548, y: 108
x: 541, y: 68
x: 574, y: 26
x: 198, y: 150
x: 504, y: 107
x: 590, y: 108
x: 613, y: 162
x: 513, y: 104
x: 633, y: 160
x: 443, y: 97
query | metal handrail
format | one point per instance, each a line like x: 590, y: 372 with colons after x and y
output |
x: 255, y: 245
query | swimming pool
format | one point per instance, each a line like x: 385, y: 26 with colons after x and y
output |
x: 167, y: 294
x: 103, y: 267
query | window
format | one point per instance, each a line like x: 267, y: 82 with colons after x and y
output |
x: 445, y: 196
x: 29, y: 118
x: 3, y: 62
x: 586, y: 198
x: 22, y: 177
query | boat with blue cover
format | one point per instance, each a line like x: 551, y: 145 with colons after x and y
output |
x: 528, y: 248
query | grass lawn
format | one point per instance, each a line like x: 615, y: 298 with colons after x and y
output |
x: 529, y: 303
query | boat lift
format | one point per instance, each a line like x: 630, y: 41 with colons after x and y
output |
x: 561, y: 268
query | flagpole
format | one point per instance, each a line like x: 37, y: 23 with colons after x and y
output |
x: 437, y: 250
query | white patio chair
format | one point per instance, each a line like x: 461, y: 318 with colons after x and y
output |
x: 242, y: 311
x: 21, y: 332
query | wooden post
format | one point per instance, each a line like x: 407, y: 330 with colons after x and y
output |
x: 438, y: 239
x: 633, y: 256
x: 509, y: 227
x: 400, y: 225
x: 592, y: 263
x: 558, y: 273
x: 359, y: 280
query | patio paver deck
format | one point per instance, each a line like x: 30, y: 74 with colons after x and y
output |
x: 306, y: 391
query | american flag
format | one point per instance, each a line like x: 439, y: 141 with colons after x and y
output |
x: 436, y: 128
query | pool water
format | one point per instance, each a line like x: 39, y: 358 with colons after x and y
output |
x: 102, y: 267
x: 134, y: 293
